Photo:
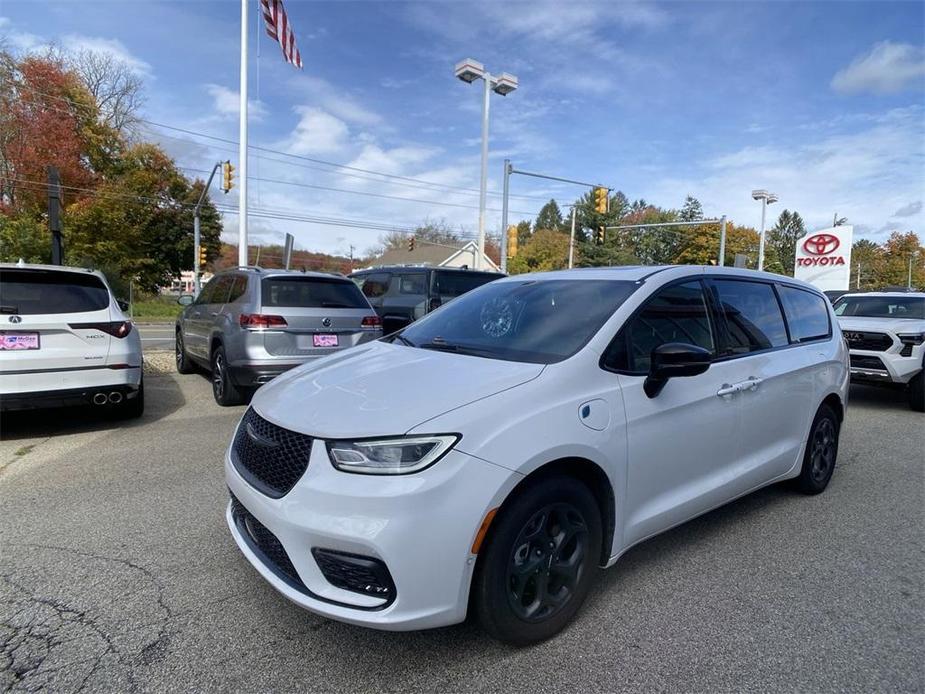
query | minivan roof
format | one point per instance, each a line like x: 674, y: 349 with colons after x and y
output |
x: 52, y: 268
x: 399, y: 268
x: 264, y: 273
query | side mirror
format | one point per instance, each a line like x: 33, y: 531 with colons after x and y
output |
x: 123, y: 305
x: 185, y: 299
x: 675, y: 360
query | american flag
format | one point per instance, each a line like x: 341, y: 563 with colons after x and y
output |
x: 279, y: 29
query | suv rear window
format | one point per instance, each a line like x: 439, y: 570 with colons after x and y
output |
x: 452, y: 284
x: 311, y: 292
x: 30, y: 292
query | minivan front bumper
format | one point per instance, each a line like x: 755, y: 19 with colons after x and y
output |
x: 419, y: 527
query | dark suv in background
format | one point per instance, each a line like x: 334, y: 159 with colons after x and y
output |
x: 249, y: 325
x: 402, y: 294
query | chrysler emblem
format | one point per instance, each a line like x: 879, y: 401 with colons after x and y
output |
x: 15, y: 319
x: 326, y: 322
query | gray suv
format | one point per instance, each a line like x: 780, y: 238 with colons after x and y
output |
x: 249, y: 325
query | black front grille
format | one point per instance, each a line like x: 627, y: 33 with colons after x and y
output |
x: 266, y: 544
x: 271, y: 458
x: 859, y: 361
x: 872, y: 342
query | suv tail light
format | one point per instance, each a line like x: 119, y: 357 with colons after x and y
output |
x: 115, y: 328
x: 261, y: 320
x: 371, y: 322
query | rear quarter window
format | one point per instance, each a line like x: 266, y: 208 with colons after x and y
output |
x: 752, y: 315
x: 807, y: 314
x: 311, y: 292
x: 31, y: 292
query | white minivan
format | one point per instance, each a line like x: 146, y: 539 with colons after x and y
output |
x: 491, y: 456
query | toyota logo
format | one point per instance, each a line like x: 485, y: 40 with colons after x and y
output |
x: 326, y: 322
x: 15, y: 319
x: 821, y: 244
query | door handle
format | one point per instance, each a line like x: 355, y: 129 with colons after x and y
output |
x: 214, y: 313
x: 751, y: 383
x: 727, y: 389
x: 197, y: 314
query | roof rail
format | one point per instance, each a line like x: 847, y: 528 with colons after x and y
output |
x: 249, y: 267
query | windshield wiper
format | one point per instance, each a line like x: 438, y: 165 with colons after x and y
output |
x: 441, y: 346
x: 403, y: 340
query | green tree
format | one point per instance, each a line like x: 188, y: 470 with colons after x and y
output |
x: 546, y: 250
x: 868, y: 257
x: 781, y: 242
x: 691, y: 211
x: 902, y: 250
x: 549, y: 217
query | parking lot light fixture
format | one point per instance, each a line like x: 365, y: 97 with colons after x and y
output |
x: 766, y: 199
x: 470, y: 70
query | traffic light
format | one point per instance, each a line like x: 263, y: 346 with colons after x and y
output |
x: 227, y: 176
x: 202, y: 256
x: 410, y: 243
x: 600, y: 200
x: 511, y: 241
x: 600, y: 235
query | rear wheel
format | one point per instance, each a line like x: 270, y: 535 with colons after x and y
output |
x: 184, y: 365
x: 821, y: 452
x: 539, y: 562
x: 223, y: 389
x: 917, y: 392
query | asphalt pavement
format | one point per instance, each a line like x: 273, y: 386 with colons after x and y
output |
x: 117, y: 573
x: 156, y: 336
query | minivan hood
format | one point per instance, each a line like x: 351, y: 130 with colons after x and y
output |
x: 892, y: 325
x: 382, y: 389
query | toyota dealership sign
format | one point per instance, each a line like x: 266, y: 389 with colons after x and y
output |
x: 824, y: 258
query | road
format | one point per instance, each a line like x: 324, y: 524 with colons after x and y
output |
x: 117, y: 573
x: 156, y: 336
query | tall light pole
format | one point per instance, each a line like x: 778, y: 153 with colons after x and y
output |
x: 469, y: 71
x: 766, y: 199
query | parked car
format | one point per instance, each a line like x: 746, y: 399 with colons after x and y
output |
x: 885, y: 332
x: 249, y: 325
x: 498, y: 451
x: 402, y: 294
x: 66, y: 340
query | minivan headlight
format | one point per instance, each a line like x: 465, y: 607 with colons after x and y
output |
x: 391, y: 456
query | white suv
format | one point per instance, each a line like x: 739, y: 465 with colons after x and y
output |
x: 65, y: 340
x: 885, y: 332
x: 498, y: 451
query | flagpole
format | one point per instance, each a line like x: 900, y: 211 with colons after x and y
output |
x: 242, y: 146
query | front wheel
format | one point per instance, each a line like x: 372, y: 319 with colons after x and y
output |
x: 223, y: 389
x: 539, y: 561
x: 821, y: 452
x: 917, y: 392
x: 184, y: 365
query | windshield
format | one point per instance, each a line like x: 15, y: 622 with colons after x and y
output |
x: 531, y: 321
x: 881, y: 306
x: 311, y: 292
x: 50, y: 291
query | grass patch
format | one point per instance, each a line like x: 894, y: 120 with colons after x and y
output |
x: 24, y: 450
x: 157, y: 307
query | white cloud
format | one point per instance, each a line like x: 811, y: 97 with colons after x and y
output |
x: 113, y: 47
x: 317, y: 132
x: 227, y: 103
x: 888, y: 68
x: 323, y: 95
x: 909, y: 210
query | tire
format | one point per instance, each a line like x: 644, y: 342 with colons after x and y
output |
x: 523, y: 591
x: 224, y: 390
x: 184, y: 365
x: 821, y: 453
x: 917, y: 392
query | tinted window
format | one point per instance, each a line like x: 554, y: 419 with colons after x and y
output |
x: 311, y: 292
x: 411, y: 284
x: 374, y: 285
x: 675, y: 314
x: 220, y: 287
x: 753, y: 318
x: 540, y: 322
x: 881, y: 306
x: 807, y: 314
x: 237, y: 288
x: 449, y: 285
x: 49, y: 291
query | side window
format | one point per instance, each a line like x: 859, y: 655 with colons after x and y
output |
x: 238, y: 286
x: 219, y: 293
x: 412, y: 284
x: 677, y: 313
x: 753, y: 318
x: 375, y: 285
x: 807, y: 314
x: 205, y: 293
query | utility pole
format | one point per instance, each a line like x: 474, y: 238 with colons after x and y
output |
x: 54, y: 215
x: 507, y: 180
x: 909, y: 280
x: 197, y: 237
x: 351, y: 256
x: 571, y: 239
x: 242, y: 142
x: 722, y: 241
x: 858, y: 282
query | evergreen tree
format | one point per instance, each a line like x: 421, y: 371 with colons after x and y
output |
x: 550, y: 217
x: 781, y: 240
x: 691, y: 211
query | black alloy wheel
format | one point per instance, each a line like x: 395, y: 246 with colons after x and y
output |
x: 821, y: 452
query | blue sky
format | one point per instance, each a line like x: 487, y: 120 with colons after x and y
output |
x: 822, y: 103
